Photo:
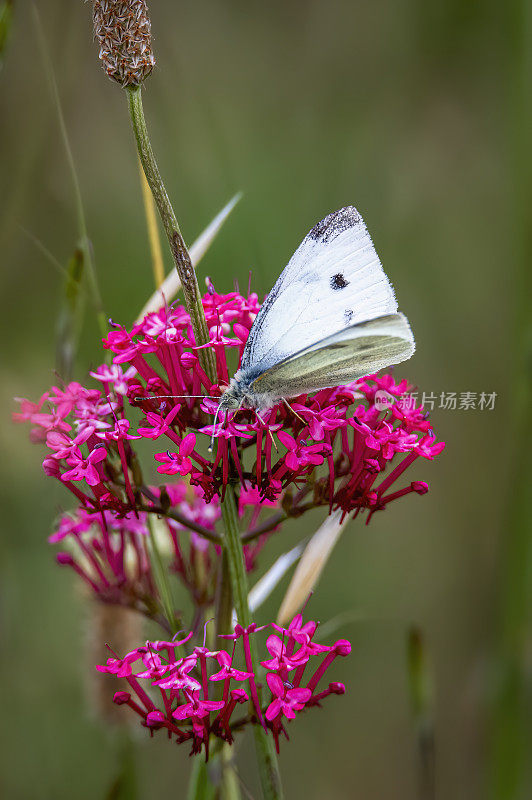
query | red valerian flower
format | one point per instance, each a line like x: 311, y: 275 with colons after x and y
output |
x: 173, y: 463
x: 286, y: 701
x: 184, y: 685
x: 110, y: 551
x: 341, y: 448
x: 84, y: 468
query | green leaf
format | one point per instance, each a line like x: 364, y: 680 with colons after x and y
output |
x: 124, y: 786
x: 6, y: 20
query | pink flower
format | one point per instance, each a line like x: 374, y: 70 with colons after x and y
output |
x: 196, y: 707
x: 428, y: 447
x: 68, y: 398
x: 300, y: 454
x: 63, y: 445
x: 83, y: 468
x: 227, y: 670
x: 172, y: 463
x: 28, y: 409
x: 286, y: 701
x: 114, y: 376
x: 119, y: 433
x: 320, y: 421
x: 159, y: 424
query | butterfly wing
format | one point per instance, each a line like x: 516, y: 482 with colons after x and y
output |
x: 333, y: 280
x: 344, y: 356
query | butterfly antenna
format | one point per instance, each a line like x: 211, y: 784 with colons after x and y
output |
x: 177, y: 397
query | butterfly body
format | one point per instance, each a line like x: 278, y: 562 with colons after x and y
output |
x: 241, y: 394
x: 330, y: 319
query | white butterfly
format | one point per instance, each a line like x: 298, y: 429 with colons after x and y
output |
x: 331, y: 318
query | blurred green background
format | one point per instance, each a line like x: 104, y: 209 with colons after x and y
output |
x: 418, y: 113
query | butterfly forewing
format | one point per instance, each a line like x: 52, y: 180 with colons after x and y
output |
x: 333, y: 280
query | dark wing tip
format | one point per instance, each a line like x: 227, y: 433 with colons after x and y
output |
x: 334, y: 224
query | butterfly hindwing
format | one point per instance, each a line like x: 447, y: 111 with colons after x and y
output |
x: 340, y: 358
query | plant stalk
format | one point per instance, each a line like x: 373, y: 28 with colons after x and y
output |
x: 270, y: 778
x: 161, y: 577
x: 180, y: 254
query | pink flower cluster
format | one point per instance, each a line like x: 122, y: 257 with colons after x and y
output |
x: 198, y: 692
x: 111, y: 553
x: 337, y: 448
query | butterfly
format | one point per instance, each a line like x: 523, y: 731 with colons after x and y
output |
x: 330, y: 319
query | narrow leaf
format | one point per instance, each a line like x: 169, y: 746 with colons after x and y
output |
x: 171, y: 284
x: 421, y: 701
x: 70, y: 316
x: 311, y: 565
x: 125, y: 785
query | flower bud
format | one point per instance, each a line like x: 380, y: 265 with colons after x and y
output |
x: 65, y: 559
x: 122, y: 28
x: 342, y: 647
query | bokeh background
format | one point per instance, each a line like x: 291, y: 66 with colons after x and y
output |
x: 418, y: 113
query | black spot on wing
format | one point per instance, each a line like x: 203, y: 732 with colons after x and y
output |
x: 338, y: 281
x: 334, y: 224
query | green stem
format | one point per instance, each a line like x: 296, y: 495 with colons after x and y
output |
x: 270, y: 778
x: 230, y: 789
x: 161, y: 578
x: 200, y: 786
x: 224, y: 596
x: 180, y: 254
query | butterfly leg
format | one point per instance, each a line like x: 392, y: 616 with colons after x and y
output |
x: 294, y: 412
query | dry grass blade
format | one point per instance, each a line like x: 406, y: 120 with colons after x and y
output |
x: 311, y: 566
x: 171, y: 284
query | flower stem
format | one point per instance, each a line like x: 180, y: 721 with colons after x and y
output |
x: 180, y: 254
x: 200, y: 786
x: 270, y: 778
x: 224, y: 596
x: 161, y: 577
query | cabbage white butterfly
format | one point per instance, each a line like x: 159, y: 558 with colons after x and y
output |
x: 331, y: 318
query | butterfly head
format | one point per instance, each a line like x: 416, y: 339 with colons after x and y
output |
x: 238, y: 394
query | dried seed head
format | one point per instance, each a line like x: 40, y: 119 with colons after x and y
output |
x: 123, y: 31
